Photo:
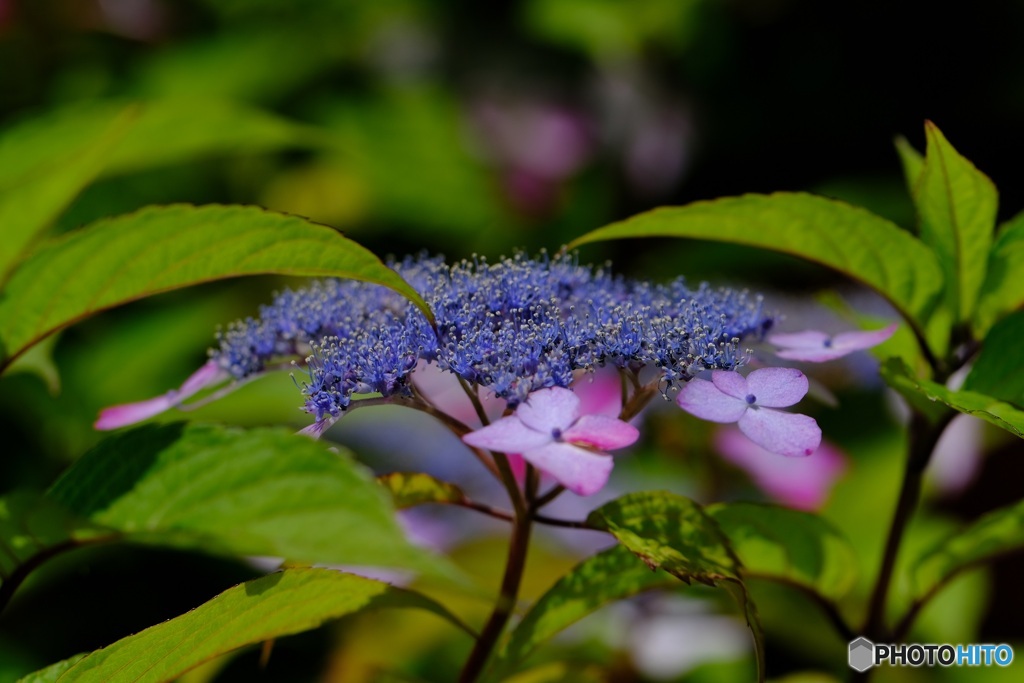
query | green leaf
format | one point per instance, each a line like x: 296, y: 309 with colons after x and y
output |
x: 674, y: 533
x: 921, y: 391
x: 848, y: 239
x: 1003, y: 290
x: 912, y: 162
x: 257, y: 492
x: 610, y: 575
x: 409, y: 489
x: 51, y: 673
x: 48, y: 160
x: 158, y: 249
x: 273, y: 606
x: 794, y: 547
x: 994, y: 534
x: 956, y: 205
x: 998, y: 370
x: 669, y: 532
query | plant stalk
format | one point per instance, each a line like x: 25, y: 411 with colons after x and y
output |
x: 506, y: 600
x: 923, y: 437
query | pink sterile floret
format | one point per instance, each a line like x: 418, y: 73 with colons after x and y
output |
x: 817, y: 347
x: 130, y: 413
x: 549, y: 432
x: 749, y: 402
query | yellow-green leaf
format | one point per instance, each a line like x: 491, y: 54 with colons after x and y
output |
x: 273, y: 606
x: 956, y: 205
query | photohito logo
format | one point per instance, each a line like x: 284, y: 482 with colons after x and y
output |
x: 864, y: 654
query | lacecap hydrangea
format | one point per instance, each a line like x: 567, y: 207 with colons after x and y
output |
x: 511, y: 327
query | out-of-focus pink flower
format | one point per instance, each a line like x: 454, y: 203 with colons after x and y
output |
x: 957, y: 456
x: 803, y: 483
x: 817, y: 347
x: 545, y: 139
x: 138, y: 19
x: 749, y: 402
x: 536, y: 145
x: 549, y: 432
x: 6, y: 12
x: 130, y: 413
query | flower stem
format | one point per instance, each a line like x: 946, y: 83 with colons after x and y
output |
x: 506, y: 599
x: 923, y: 437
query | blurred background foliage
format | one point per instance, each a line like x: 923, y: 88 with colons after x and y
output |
x: 465, y: 127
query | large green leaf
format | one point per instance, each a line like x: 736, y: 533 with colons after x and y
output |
x: 48, y: 160
x: 786, y: 545
x: 956, y: 206
x: 921, y: 391
x: 611, y: 575
x: 157, y: 249
x: 1003, y: 290
x: 257, y: 492
x: 996, y: 533
x: 998, y: 370
x: 276, y: 605
x: 671, y: 532
x: 851, y: 240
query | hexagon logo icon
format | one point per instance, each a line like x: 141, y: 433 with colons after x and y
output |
x: 862, y: 654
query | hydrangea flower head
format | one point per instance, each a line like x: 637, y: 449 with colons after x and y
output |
x: 816, y: 347
x: 750, y: 402
x: 509, y: 328
x: 549, y: 432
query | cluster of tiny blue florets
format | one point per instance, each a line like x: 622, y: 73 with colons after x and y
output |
x: 513, y: 327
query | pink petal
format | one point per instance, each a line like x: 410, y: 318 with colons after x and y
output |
x: 441, y: 388
x: 130, y: 413
x: 602, y: 432
x: 802, y: 483
x: 855, y: 341
x: 777, y: 387
x: 790, y: 434
x: 808, y: 339
x: 817, y: 347
x: 508, y: 435
x: 818, y: 355
x: 518, y: 467
x: 209, y: 373
x: 600, y: 392
x: 730, y: 383
x: 577, y: 469
x: 703, y: 399
x: 547, y: 409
